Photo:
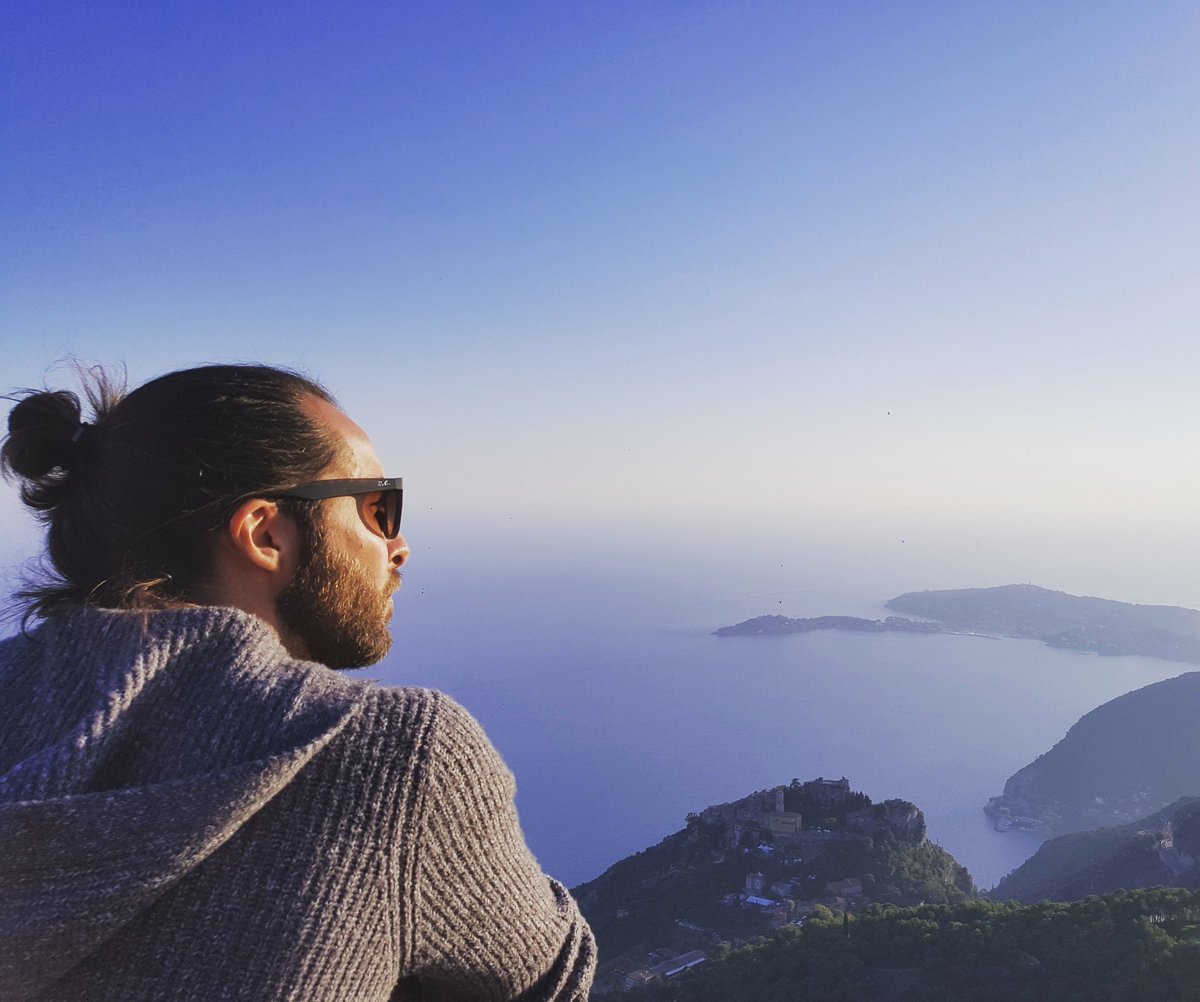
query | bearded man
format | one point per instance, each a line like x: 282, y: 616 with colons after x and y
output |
x: 193, y: 806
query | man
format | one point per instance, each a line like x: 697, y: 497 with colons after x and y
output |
x: 192, y: 805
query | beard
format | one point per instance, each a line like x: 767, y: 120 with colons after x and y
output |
x: 333, y: 605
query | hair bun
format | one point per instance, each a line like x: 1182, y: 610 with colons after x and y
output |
x: 43, y: 429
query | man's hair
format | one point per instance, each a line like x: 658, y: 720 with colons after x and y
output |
x: 132, y: 497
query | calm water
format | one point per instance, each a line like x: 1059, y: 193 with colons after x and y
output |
x: 619, y: 712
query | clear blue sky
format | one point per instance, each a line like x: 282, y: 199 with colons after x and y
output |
x: 705, y: 274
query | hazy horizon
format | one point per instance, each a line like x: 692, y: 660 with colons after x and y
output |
x: 872, y: 272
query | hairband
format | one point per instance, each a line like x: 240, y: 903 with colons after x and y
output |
x: 83, y: 426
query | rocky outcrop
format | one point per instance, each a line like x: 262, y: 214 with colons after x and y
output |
x: 897, y: 818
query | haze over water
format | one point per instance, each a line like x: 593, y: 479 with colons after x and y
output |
x: 619, y: 712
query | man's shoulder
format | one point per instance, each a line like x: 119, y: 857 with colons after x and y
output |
x: 429, y: 719
x: 405, y: 705
x: 392, y: 700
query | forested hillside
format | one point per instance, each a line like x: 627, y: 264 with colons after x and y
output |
x: 1133, y: 945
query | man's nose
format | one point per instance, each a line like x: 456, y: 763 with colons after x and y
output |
x: 398, y: 550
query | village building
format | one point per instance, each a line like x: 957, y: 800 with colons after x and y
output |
x: 664, y: 970
x: 826, y: 792
x: 762, y: 811
x: 849, y: 888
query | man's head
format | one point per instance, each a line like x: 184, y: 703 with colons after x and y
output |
x: 322, y: 572
x: 175, y: 494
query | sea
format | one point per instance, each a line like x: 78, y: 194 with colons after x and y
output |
x: 619, y: 712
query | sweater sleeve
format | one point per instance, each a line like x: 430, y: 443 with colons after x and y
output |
x: 488, y: 923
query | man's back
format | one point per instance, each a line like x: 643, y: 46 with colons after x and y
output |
x: 187, y: 812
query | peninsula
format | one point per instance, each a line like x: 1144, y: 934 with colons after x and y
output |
x: 1075, y: 622
x: 783, y: 624
x: 1022, y: 611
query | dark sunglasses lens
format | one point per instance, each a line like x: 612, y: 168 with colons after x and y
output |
x: 393, y: 502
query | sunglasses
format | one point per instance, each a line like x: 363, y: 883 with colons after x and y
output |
x: 386, y: 510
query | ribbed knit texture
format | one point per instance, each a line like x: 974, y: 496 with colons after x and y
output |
x: 188, y: 813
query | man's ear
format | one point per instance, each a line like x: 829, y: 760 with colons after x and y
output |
x: 264, y: 537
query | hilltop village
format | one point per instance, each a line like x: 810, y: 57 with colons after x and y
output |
x: 777, y: 813
x: 767, y: 860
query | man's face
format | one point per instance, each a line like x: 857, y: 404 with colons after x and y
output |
x: 334, y: 604
x: 338, y: 600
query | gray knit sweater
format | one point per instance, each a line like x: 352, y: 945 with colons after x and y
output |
x: 188, y: 813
